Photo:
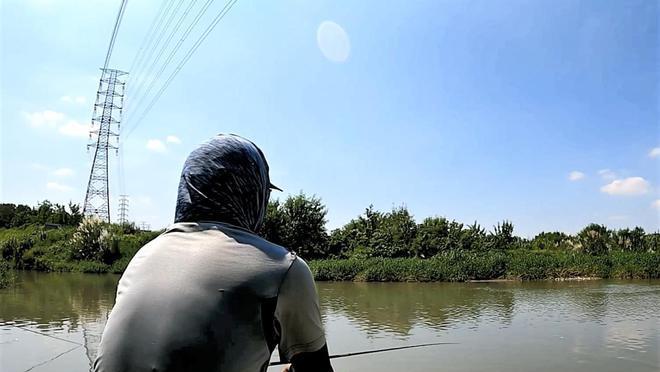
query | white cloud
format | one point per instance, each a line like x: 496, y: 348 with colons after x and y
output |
x: 74, y: 129
x: 655, y: 152
x: 607, y: 174
x: 576, y: 176
x: 173, y: 139
x: 73, y: 99
x: 656, y: 204
x: 155, y: 145
x: 333, y: 41
x: 627, y: 186
x: 58, y: 187
x: 44, y: 118
x: 63, y: 172
x: 57, y: 120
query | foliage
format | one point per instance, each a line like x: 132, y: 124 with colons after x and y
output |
x: 376, y: 234
x: 629, y: 240
x: 298, y: 224
x: 437, y: 235
x: 12, y: 215
x: 551, y: 241
x: 35, y: 248
x: 93, y: 241
x: 594, y: 239
x: 7, y: 276
x: 502, y: 236
x: 373, y: 246
x: 466, y: 265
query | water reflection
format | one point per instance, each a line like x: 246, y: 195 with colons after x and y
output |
x: 398, y: 307
x: 53, y: 300
x: 68, y: 309
x: 54, y: 322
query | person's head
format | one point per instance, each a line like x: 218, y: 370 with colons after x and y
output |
x: 224, y: 180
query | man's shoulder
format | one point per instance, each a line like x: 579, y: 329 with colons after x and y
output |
x: 222, y: 234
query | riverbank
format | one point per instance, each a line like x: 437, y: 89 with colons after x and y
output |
x: 61, y: 250
x: 56, y: 250
x: 490, y: 265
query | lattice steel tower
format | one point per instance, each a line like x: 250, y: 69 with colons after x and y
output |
x: 123, y: 209
x: 109, y: 102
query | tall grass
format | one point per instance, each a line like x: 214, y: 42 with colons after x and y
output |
x: 463, y: 266
x: 7, y: 276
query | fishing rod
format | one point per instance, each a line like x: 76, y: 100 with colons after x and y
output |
x: 375, y: 351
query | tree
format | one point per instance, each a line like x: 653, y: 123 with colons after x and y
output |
x: 273, y: 228
x: 75, y: 216
x: 432, y: 236
x: 356, y: 237
x: 7, y: 212
x: 22, y: 216
x: 473, y: 238
x: 502, y: 236
x: 298, y: 224
x: 395, y: 234
x: 652, y: 242
x: 594, y: 239
x: 629, y: 240
x: 550, y: 240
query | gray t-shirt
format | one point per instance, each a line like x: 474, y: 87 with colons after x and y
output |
x: 210, y: 297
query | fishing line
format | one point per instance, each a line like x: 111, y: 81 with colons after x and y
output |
x: 375, y: 351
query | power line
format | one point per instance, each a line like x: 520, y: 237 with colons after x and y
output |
x: 140, y: 54
x: 111, y: 88
x: 183, y: 38
x: 120, y: 15
x: 185, y: 59
x: 150, y: 48
x: 168, y: 22
x: 144, y: 41
x: 154, y: 79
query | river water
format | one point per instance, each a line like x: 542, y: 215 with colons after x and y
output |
x: 53, y: 322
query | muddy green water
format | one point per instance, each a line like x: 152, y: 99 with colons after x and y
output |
x: 53, y: 322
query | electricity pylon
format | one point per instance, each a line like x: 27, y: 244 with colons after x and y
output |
x: 109, y: 102
x: 123, y: 209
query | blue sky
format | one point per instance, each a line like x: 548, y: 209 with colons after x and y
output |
x: 545, y: 113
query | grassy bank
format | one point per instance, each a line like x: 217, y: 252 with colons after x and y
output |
x: 68, y: 249
x: 462, y: 266
x: 36, y: 248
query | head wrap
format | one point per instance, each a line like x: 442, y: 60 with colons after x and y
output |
x: 224, y: 180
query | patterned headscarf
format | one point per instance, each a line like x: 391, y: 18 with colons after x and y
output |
x: 224, y: 180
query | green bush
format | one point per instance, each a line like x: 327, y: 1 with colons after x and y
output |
x: 7, y: 277
x: 93, y: 241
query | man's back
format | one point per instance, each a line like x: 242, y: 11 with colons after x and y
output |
x: 204, y: 297
x: 213, y: 296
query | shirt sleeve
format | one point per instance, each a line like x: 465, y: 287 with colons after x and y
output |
x: 298, y: 313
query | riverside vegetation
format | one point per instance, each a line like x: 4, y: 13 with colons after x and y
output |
x: 375, y: 246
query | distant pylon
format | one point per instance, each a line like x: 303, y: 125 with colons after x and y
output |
x: 123, y: 209
x: 97, y: 199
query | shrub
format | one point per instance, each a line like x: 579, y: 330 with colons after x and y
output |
x: 92, y: 241
x: 594, y: 239
x: 7, y: 276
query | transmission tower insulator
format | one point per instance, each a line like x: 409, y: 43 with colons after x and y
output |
x: 109, y: 100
